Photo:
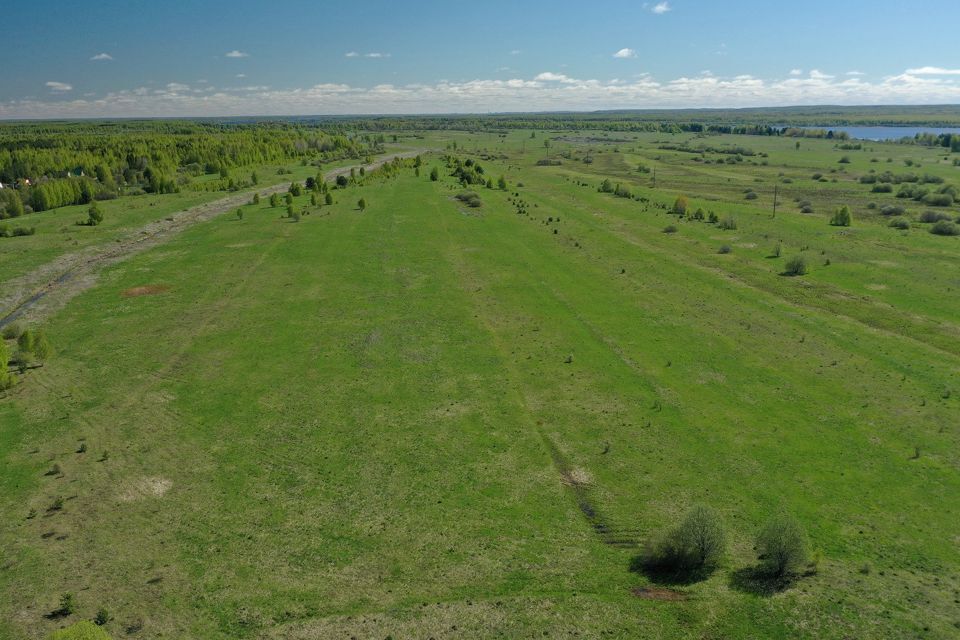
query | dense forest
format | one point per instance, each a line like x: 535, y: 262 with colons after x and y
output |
x: 54, y: 164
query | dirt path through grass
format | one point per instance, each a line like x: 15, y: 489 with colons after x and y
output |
x: 45, y: 290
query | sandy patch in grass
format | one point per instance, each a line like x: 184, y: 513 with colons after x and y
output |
x: 577, y: 477
x: 884, y: 263
x: 239, y: 245
x: 876, y: 287
x: 145, y: 290
x: 147, y: 487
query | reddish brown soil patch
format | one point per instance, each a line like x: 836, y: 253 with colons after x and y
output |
x: 146, y: 290
x: 658, y: 593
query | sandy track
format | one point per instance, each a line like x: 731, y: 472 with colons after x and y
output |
x: 40, y: 293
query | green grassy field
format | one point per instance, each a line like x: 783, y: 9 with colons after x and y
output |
x: 395, y: 423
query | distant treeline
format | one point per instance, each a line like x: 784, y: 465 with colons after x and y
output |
x: 763, y: 121
x: 54, y: 164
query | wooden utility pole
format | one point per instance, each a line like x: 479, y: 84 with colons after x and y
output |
x: 776, y: 190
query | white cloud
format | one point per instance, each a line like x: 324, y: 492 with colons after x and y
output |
x: 854, y: 73
x: 661, y: 8
x: 102, y: 56
x: 515, y: 52
x: 796, y: 72
x: 549, y: 76
x: 240, y: 75
x: 59, y: 87
x: 372, y: 54
x: 625, y: 53
x: 816, y: 74
x: 547, y: 91
x: 236, y: 54
x: 933, y: 71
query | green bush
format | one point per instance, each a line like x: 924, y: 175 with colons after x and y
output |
x: 841, y: 217
x: 796, y: 266
x: 6, y: 380
x: 697, y: 543
x: 670, y: 228
x: 900, y: 223
x: 724, y: 249
x: 83, y: 630
x: 728, y: 223
x: 782, y: 546
x: 945, y: 228
x: 11, y: 331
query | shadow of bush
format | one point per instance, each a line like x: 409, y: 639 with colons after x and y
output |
x: 755, y: 581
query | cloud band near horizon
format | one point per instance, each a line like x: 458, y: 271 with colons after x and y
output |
x: 548, y: 91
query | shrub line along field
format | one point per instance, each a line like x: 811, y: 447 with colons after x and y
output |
x: 447, y: 404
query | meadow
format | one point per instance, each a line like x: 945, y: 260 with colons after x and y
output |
x: 442, y: 417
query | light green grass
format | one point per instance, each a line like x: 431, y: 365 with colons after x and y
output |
x: 343, y: 426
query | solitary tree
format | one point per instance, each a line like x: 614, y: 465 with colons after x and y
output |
x: 289, y: 210
x: 680, y: 205
x: 254, y: 178
x: 328, y: 199
x: 434, y: 174
x: 239, y: 213
x: 256, y: 198
x: 313, y: 199
x: 362, y: 204
x: 502, y: 183
x: 274, y: 200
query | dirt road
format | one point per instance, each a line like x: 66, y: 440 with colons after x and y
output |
x: 38, y: 294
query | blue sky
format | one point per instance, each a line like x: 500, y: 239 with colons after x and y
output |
x: 179, y: 58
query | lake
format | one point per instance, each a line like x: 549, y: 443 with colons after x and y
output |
x: 888, y: 133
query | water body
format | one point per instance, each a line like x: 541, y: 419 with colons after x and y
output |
x: 888, y: 133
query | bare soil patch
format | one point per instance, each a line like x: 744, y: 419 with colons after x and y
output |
x: 145, y: 290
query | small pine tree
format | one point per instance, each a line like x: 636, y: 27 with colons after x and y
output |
x: 434, y: 174
x: 256, y: 198
x: 362, y: 204
x: 288, y: 198
x: 254, y: 178
x: 502, y: 183
x: 274, y: 200
x: 328, y: 199
x: 313, y: 199
x: 289, y: 210
x: 239, y: 214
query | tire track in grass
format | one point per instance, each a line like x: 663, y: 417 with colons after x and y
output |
x: 576, y: 483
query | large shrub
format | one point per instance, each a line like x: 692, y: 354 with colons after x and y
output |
x: 782, y: 546
x: 697, y: 543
